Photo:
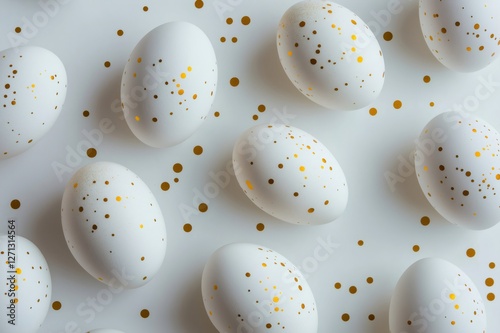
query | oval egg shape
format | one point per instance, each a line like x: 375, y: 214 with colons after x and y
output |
x: 169, y: 84
x: 290, y: 175
x: 458, y: 168
x: 33, y: 84
x: 435, y: 296
x: 250, y: 288
x: 463, y: 35
x: 330, y: 55
x: 113, y: 225
x: 27, y: 288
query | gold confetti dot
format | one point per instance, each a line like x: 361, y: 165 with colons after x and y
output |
x: 425, y: 220
x: 107, y: 64
x: 234, y: 81
x: 234, y: 39
x: 346, y: 317
x: 165, y: 186
x: 337, y: 285
x: 371, y: 317
x: 427, y: 79
x: 416, y: 248
x: 56, y: 305
x: 489, y: 282
x: 91, y: 152
x: 145, y: 8
x: 490, y: 297
x: 18, y: 30
x: 245, y: 20
x: 261, y: 108
x: 373, y: 112
x: 177, y: 168
x: 15, y: 204
x: 255, y: 117
x: 369, y: 280
x: 229, y: 20
x: 491, y: 265
x: 397, y: 104
x: 198, y: 4
x: 361, y: 242
x: 120, y: 32
x: 432, y: 104
x: 144, y: 313
x: 260, y: 226
x: 353, y: 290
x: 203, y: 207
x: 198, y: 150
x: 216, y: 114
x: 223, y: 39
x: 86, y: 113
x: 388, y: 36
x: 187, y: 227
x: 470, y: 252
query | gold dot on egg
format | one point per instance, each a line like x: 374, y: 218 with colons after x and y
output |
x: 119, y: 32
x: 203, y: 207
x: 345, y: 317
x: 144, y: 313
x: 198, y: 150
x: 187, y: 227
x: 177, y: 168
x: 425, y: 220
x: 490, y: 297
x: 260, y: 226
x: 470, y: 252
x: 18, y: 30
x: 427, y: 79
x: 245, y: 20
x: 388, y: 36
x: 91, y: 152
x: 397, y: 104
x: 234, y: 81
x: 165, y: 186
x: 198, y: 4
x: 56, y: 305
x: 416, y: 248
x: 15, y: 204
x: 86, y: 113
x: 107, y: 64
x: 373, y: 112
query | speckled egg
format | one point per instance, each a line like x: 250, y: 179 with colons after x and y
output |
x: 462, y: 34
x: 330, y: 55
x: 290, y: 175
x: 435, y: 296
x: 26, y: 286
x: 169, y: 84
x: 250, y: 288
x: 33, y: 84
x: 458, y: 168
x: 113, y: 225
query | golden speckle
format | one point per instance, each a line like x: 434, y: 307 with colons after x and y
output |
x: 15, y: 204
x: 310, y: 210
x: 388, y: 36
x: 416, y: 248
x: 477, y: 154
x: 18, y: 30
x: 118, y: 198
x: 234, y: 39
x: 216, y: 114
x: 86, y: 113
x: 144, y: 313
x: 120, y: 32
x: 249, y: 185
x: 234, y: 81
x: 203, y: 207
x: 427, y: 79
x: 56, y: 305
x: 261, y: 108
x: 107, y: 64
x: 260, y: 226
x: 371, y: 317
x: 491, y: 265
x: 489, y: 282
x: 198, y: 4
x: 360, y: 59
x: 490, y: 297
x: 137, y: 118
x: 346, y: 317
x: 91, y: 152
x: 353, y: 290
x: 397, y: 104
x: 369, y: 280
x: 361, y: 242
x: 145, y: 8
x: 245, y: 20
x: 425, y: 220
x: 177, y: 168
x: 188, y: 228
x: 470, y: 252
x: 337, y: 285
x: 165, y: 186
x: 198, y: 150
x: 229, y: 21
x: 373, y: 111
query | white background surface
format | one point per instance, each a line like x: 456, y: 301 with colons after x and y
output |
x: 83, y: 34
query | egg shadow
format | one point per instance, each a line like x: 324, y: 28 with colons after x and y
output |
x: 49, y: 238
x: 269, y: 74
x: 191, y: 313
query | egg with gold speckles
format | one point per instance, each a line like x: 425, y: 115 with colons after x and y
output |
x: 33, y: 84
x: 330, y: 55
x: 169, y: 84
x: 457, y: 162
x: 251, y: 288
x: 27, y: 285
x: 435, y: 296
x: 113, y: 225
x: 463, y: 35
x: 290, y: 175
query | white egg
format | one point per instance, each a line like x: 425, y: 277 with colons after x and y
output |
x: 250, y: 288
x: 435, y: 296
x: 26, y: 286
x: 462, y: 34
x: 113, y: 225
x: 33, y: 84
x: 290, y: 175
x: 169, y: 84
x: 458, y: 168
x: 330, y: 55
x: 105, y: 330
